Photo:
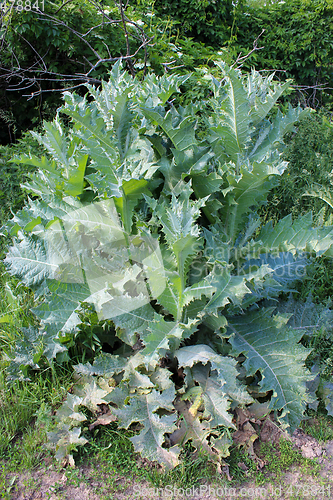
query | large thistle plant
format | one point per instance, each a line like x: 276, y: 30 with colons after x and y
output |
x: 154, y: 225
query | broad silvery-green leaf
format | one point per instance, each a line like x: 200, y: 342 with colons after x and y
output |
x: 308, y: 317
x: 248, y: 190
x: 215, y: 400
x: 272, y: 348
x: 30, y: 260
x: 177, y: 125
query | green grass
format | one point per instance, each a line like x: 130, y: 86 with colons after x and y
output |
x: 16, y: 302
x: 282, y: 457
x: 278, y: 458
x: 320, y: 427
x: 111, y: 451
x: 25, y: 407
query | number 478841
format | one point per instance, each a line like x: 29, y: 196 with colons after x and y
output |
x: 22, y: 5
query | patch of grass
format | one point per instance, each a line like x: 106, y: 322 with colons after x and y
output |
x: 117, y: 466
x: 6, y: 485
x: 318, y: 280
x: 24, y: 409
x: 238, y: 461
x: 193, y: 470
x: 320, y: 427
x: 16, y: 302
x: 279, y: 458
x: 112, y: 454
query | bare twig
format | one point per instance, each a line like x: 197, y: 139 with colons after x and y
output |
x: 61, y: 6
x: 102, y: 24
x: 128, y: 51
x: 242, y: 59
x: 113, y: 59
x: 166, y: 65
x: 35, y: 51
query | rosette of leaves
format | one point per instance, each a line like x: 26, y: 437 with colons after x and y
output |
x: 157, y: 230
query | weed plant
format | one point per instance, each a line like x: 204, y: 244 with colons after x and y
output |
x: 25, y: 406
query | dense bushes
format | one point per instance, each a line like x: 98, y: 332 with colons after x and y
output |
x: 208, y: 21
x: 41, y: 53
x: 310, y: 156
x: 45, y: 52
x: 297, y: 41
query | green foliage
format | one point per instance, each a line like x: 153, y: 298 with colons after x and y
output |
x: 16, y: 302
x: 43, y: 53
x: 155, y: 226
x: 310, y: 162
x: 297, y: 41
x: 306, y: 185
x: 205, y: 20
x: 12, y: 197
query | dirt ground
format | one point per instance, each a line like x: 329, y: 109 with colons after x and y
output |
x: 47, y: 483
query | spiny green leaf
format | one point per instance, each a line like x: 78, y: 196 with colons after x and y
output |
x: 249, y: 189
x: 273, y: 133
x: 133, y: 323
x: 232, y: 110
x: 272, y: 348
x: 295, y: 236
x: 263, y: 95
x: 58, y: 311
x: 157, y: 340
x: 104, y: 364
x: 30, y: 260
x: 225, y: 366
x: 69, y: 410
x: 227, y: 287
x: 178, y: 128
x: 143, y: 409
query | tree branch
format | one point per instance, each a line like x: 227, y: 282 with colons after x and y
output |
x: 38, y: 72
